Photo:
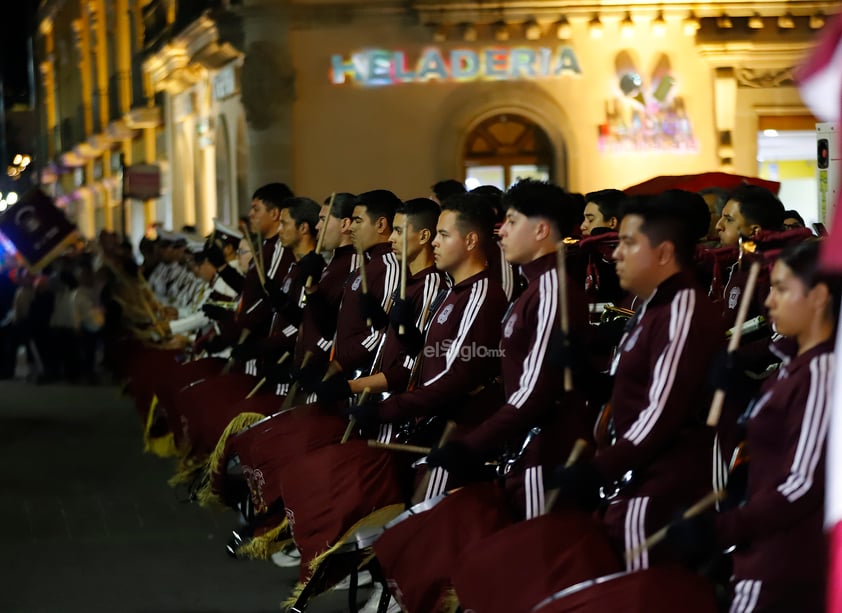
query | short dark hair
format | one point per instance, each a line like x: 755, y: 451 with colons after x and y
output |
x: 722, y: 197
x: 666, y: 218
x: 803, y: 260
x: 543, y: 199
x: 343, y: 205
x: 422, y: 213
x: 759, y: 206
x: 272, y: 195
x: 796, y: 216
x: 379, y: 203
x: 472, y: 215
x: 304, y: 210
x: 494, y: 198
x: 608, y: 202
x: 698, y: 213
x: 447, y: 188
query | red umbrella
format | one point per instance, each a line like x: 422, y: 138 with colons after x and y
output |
x: 694, y: 183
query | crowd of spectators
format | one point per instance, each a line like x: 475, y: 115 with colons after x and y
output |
x: 51, y: 321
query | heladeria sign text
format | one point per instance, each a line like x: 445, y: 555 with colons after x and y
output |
x: 378, y: 67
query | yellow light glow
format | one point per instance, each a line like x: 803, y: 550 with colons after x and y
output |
x: 659, y: 26
x: 627, y: 27
x: 595, y: 27
x: 691, y: 25
x: 563, y: 29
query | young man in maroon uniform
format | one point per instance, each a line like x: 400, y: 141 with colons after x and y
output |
x: 408, y: 317
x: 323, y: 296
x: 297, y: 234
x: 362, y: 315
x: 780, y: 560
x: 659, y: 461
x: 461, y: 348
x: 255, y: 310
x: 538, y: 416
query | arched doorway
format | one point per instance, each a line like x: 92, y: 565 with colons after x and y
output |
x: 505, y: 148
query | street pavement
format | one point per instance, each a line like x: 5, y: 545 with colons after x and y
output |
x: 90, y: 525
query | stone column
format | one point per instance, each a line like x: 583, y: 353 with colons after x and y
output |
x: 268, y: 91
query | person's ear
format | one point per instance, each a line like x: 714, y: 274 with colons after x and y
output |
x: 382, y: 226
x: 471, y: 241
x: 666, y: 252
x: 542, y: 230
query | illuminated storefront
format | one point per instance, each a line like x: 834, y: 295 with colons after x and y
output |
x: 353, y: 95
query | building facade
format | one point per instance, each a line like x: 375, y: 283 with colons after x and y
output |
x: 354, y: 95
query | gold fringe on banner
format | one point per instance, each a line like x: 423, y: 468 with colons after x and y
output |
x: 187, y: 469
x: 205, y: 495
x: 262, y: 547
x: 162, y: 446
x: 378, y: 518
x: 449, y: 602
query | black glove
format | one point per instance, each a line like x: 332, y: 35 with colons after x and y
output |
x: 692, y: 540
x: 402, y: 314
x: 578, y: 484
x: 217, y: 313
x: 366, y: 414
x: 215, y: 256
x: 276, y: 294
x: 278, y: 374
x: 559, y: 353
x: 216, y: 344
x: 370, y: 309
x: 311, y: 265
x: 460, y: 461
x: 308, y: 377
x: 246, y: 351
x: 725, y: 370
x: 334, y: 389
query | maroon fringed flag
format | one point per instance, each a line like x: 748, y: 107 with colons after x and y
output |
x: 820, y: 83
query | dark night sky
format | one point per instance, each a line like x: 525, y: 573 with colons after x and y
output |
x: 18, y: 22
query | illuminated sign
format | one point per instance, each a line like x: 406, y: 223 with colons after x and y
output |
x: 377, y: 67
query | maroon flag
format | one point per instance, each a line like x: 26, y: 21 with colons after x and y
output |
x: 820, y: 84
x: 697, y: 182
x: 38, y: 229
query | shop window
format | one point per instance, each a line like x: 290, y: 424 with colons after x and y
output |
x: 505, y: 148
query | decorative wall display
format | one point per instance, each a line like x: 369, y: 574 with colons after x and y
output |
x: 646, y: 113
x: 380, y: 67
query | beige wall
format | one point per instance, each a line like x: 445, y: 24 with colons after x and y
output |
x: 407, y: 136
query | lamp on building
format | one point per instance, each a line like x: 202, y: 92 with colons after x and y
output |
x: 440, y: 33
x: 723, y: 22
x: 627, y: 26
x: 691, y: 24
x: 659, y: 25
x: 531, y: 30
x: 786, y: 22
x: 469, y: 32
x: 817, y: 21
x: 501, y: 30
x: 595, y: 27
x: 755, y: 22
x: 563, y: 31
